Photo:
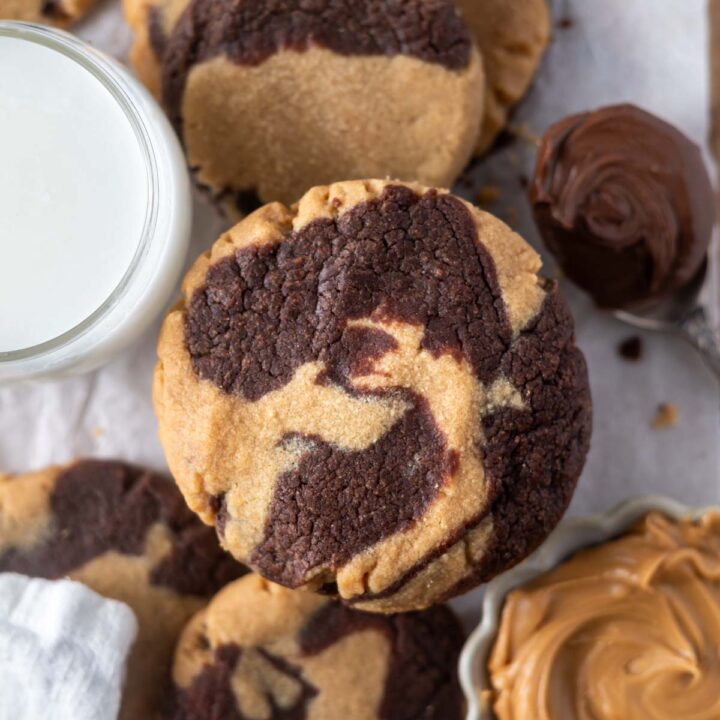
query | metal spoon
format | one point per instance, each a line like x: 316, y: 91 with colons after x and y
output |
x: 683, y: 315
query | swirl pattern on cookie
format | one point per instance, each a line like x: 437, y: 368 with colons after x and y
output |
x: 126, y: 533
x: 271, y: 97
x: 374, y: 394
x: 261, y: 652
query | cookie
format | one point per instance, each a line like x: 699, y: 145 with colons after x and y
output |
x: 373, y: 394
x: 61, y: 13
x: 259, y: 651
x: 152, y: 23
x: 512, y: 37
x: 271, y: 97
x: 624, y: 202
x: 127, y: 534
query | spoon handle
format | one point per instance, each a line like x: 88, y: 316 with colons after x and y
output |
x: 696, y: 329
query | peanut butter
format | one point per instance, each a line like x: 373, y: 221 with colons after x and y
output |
x: 627, y: 630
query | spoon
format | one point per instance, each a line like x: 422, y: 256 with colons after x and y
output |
x: 684, y: 315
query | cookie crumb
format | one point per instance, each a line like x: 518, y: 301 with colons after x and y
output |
x: 666, y: 416
x: 631, y: 348
x: 487, y: 195
x: 523, y: 131
x: 565, y: 23
x: 98, y: 432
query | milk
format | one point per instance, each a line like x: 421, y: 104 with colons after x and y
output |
x: 74, y: 193
x: 95, y: 206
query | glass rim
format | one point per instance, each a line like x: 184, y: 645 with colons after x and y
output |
x: 104, y: 71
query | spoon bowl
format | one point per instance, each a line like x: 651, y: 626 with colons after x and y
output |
x: 683, y: 314
x: 667, y: 314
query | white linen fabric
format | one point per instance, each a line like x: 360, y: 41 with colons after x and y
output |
x: 63, y: 649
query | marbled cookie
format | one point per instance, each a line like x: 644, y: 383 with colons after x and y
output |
x: 261, y: 652
x: 372, y: 393
x: 49, y: 12
x: 126, y: 533
x: 271, y: 97
x: 512, y: 36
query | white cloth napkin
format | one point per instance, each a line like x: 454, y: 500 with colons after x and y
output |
x: 62, y: 650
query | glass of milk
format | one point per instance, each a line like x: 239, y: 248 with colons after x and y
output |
x: 94, y: 205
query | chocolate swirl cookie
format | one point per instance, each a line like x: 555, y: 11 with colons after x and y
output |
x: 261, y: 652
x: 373, y: 394
x: 624, y: 202
x: 127, y: 534
x: 271, y: 97
x: 48, y: 12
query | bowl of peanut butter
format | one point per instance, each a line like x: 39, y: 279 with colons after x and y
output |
x: 615, y: 616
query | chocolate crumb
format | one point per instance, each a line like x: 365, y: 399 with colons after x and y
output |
x: 565, y: 23
x: 504, y: 140
x: 247, y: 201
x: 631, y: 348
x: 666, y: 417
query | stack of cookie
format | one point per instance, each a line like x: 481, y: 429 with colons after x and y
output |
x: 378, y: 404
x: 371, y: 395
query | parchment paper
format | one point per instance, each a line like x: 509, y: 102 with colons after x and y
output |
x: 651, y: 52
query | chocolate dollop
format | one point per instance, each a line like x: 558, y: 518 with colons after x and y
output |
x: 624, y: 202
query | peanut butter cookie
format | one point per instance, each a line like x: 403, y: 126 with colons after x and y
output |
x: 259, y: 651
x: 272, y: 97
x: 373, y: 394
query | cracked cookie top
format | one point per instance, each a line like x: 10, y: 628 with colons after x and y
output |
x: 373, y: 394
x: 261, y: 652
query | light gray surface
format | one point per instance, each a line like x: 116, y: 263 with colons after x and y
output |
x: 653, y: 53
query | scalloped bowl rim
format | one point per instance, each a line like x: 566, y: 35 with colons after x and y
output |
x: 570, y: 536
